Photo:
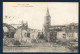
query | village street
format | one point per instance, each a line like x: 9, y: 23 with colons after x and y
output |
x: 38, y: 47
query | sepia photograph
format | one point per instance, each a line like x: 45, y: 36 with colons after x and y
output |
x: 40, y: 27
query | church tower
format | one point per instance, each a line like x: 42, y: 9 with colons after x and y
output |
x: 47, y: 24
x: 47, y: 18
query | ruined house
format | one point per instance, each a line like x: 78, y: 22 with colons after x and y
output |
x: 25, y: 34
x: 8, y: 30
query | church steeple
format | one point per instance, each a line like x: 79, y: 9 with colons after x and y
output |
x: 47, y: 13
x: 47, y: 24
x: 47, y: 18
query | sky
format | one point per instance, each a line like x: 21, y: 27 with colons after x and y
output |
x: 34, y: 13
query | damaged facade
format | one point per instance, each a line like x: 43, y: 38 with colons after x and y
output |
x: 59, y: 32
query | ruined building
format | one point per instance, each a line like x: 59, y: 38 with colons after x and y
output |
x: 54, y: 32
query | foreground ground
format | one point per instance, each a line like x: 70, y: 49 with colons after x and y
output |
x: 38, y: 47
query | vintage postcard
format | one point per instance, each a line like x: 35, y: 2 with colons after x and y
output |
x: 40, y: 27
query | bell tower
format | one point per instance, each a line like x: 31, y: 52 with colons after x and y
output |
x: 47, y: 18
x: 47, y: 24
